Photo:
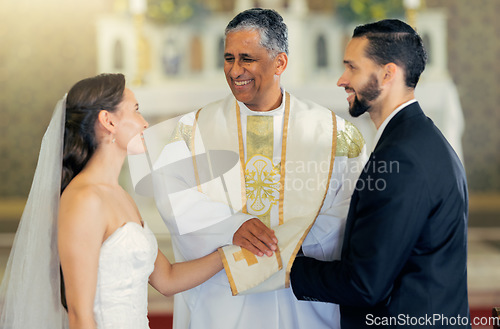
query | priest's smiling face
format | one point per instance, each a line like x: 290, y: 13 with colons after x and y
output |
x: 252, y: 72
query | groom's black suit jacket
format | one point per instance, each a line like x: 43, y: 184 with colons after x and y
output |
x: 404, y: 251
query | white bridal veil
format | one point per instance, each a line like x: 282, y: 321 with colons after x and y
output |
x: 30, y: 290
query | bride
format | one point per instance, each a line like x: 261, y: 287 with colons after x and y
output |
x: 94, y: 231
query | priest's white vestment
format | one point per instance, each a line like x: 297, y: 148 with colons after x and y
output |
x: 304, y: 200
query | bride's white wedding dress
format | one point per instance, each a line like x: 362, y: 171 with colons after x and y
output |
x: 126, y: 261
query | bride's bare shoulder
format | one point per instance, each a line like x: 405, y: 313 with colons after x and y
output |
x: 83, y: 200
x: 81, y: 192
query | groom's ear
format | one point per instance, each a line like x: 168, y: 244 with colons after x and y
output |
x: 390, y: 71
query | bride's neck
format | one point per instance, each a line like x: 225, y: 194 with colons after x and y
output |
x: 105, y: 165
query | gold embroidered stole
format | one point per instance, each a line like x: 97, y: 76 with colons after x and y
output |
x: 307, y: 157
x: 262, y: 176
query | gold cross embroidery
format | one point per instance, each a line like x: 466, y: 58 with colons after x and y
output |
x: 247, y: 255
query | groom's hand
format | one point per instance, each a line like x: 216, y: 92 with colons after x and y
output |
x: 256, y: 237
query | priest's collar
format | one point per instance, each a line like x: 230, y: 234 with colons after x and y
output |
x: 279, y: 110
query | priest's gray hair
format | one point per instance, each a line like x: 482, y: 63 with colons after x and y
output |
x: 273, y: 31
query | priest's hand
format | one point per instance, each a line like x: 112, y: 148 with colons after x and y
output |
x: 256, y: 237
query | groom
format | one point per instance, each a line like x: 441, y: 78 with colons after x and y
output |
x: 403, y: 259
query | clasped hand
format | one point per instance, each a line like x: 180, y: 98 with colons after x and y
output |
x: 256, y: 237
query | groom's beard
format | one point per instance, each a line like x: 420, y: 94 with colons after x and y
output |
x: 368, y: 93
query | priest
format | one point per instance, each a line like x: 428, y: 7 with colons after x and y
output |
x: 264, y: 176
